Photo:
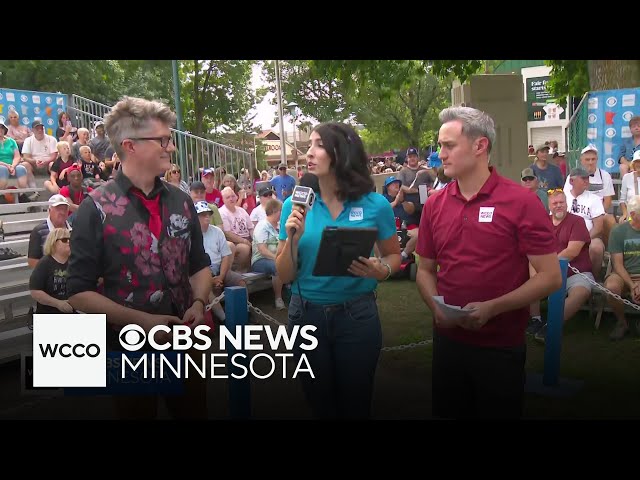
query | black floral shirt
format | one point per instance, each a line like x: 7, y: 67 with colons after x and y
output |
x: 112, y: 238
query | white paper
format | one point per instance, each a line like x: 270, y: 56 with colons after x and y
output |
x: 423, y: 193
x: 451, y: 312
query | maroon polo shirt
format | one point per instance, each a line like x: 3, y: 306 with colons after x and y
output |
x: 481, y: 246
x: 573, y: 228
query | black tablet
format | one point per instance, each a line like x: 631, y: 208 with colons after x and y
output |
x: 340, y: 246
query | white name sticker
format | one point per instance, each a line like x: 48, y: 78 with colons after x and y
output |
x: 486, y: 214
x: 356, y: 214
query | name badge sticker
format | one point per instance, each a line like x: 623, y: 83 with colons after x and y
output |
x: 356, y: 214
x: 486, y: 214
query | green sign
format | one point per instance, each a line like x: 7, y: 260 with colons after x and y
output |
x: 541, y: 105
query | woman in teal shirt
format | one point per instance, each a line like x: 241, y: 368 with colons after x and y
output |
x: 9, y: 160
x: 343, y: 309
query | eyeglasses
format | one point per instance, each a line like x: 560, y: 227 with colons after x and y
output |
x: 554, y: 190
x: 65, y: 239
x: 528, y: 179
x: 164, y: 141
x: 175, y: 171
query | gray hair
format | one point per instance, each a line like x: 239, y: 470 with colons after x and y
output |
x: 633, y: 204
x: 132, y: 117
x: 475, y: 123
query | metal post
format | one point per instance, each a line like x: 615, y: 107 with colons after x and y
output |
x: 235, y: 299
x: 295, y: 145
x: 555, y: 320
x: 178, y: 108
x: 283, y: 149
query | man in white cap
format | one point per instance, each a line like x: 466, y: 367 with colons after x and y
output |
x: 630, y: 185
x: 58, y: 213
x: 600, y: 184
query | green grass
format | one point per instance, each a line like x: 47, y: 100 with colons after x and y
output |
x: 609, y: 370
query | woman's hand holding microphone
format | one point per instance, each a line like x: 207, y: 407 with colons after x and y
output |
x: 295, y: 224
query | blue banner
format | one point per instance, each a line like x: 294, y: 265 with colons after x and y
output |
x: 608, y: 115
x: 30, y: 106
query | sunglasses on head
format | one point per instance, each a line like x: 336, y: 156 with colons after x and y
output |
x: 554, y: 190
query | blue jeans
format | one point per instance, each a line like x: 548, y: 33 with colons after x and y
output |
x: 265, y: 265
x: 344, y: 362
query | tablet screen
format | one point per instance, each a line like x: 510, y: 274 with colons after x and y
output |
x: 340, y: 246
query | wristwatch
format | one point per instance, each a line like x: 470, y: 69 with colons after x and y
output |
x: 388, y: 269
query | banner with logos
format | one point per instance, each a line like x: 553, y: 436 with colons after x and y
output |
x: 30, y: 106
x: 608, y: 115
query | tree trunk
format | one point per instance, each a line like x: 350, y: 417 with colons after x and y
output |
x: 613, y: 74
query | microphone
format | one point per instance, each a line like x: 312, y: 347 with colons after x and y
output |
x: 302, y: 199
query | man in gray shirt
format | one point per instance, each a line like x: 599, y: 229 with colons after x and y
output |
x: 412, y: 175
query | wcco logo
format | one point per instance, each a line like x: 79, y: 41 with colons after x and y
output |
x: 69, y: 350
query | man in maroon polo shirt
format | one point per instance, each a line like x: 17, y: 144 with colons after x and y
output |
x: 481, y: 231
x: 572, y: 243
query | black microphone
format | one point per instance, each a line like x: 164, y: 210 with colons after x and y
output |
x: 302, y: 198
x: 310, y: 180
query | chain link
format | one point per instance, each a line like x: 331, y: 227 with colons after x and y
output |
x: 215, y: 301
x: 409, y: 345
x: 605, y: 290
x: 259, y: 312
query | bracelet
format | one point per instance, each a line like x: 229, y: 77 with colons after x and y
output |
x: 204, y: 304
x: 388, y: 269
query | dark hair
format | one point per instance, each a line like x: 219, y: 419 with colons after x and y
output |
x: 60, y: 118
x: 349, y: 160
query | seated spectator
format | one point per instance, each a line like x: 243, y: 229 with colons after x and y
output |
x: 549, y: 175
x: 10, y: 161
x: 529, y: 181
x: 48, y: 281
x: 197, y: 192
x: 111, y: 164
x: 556, y: 159
x: 572, y: 243
x: 212, y: 194
x: 83, y: 139
x: 237, y: 227
x: 407, y: 210
x: 411, y: 176
x: 57, y: 218
x: 60, y: 168
x: 441, y: 180
x: 625, y: 259
x: 265, y: 246
x: 174, y: 176
x: 90, y: 168
x: 16, y: 131
x: 100, y: 143
x: 630, y: 146
x: 265, y: 194
x: 66, y: 132
x: 630, y: 186
x: 230, y: 181
x: 38, y: 152
x: 220, y: 256
x: 588, y: 206
x: 75, y: 192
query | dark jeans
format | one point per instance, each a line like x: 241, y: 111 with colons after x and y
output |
x: 345, y: 360
x: 477, y: 382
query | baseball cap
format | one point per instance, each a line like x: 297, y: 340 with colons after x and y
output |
x: 264, y: 191
x: 207, y: 171
x: 389, y: 180
x: 542, y: 147
x: 57, y: 199
x: 528, y: 172
x: 202, y: 207
x: 589, y: 148
x: 579, y: 172
x: 412, y: 151
x: 98, y: 124
x: 36, y: 123
x: 282, y: 165
x: 636, y: 156
x: 6, y: 129
x: 197, y: 185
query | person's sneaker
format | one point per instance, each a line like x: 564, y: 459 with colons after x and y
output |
x: 280, y: 304
x: 541, y: 334
x: 34, y: 196
x: 23, y: 198
x: 535, y: 324
x: 619, y: 332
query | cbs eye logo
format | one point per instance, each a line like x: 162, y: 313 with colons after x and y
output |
x: 132, y: 337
